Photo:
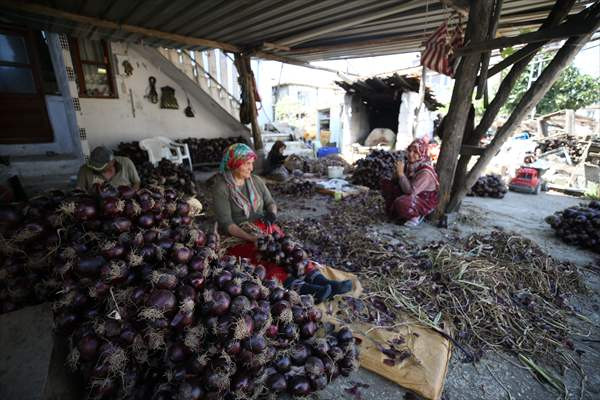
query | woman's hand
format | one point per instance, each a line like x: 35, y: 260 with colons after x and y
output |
x: 400, y: 168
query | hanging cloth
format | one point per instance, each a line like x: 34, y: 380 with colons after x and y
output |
x: 167, y: 98
x: 439, y: 54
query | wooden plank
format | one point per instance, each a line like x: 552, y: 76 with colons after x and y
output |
x: 102, y: 23
x: 562, y: 31
x: 468, y: 150
x: 485, y: 59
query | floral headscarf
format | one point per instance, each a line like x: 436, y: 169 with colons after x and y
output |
x: 423, y: 163
x: 233, y: 157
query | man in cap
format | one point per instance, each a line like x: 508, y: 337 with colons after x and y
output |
x: 103, y: 167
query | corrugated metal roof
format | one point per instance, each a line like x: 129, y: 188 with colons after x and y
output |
x: 312, y: 29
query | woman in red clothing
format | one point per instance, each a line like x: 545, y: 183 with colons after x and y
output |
x: 412, y: 194
x: 245, y: 210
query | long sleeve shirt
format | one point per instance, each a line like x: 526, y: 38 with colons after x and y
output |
x: 422, y: 182
x: 227, y: 212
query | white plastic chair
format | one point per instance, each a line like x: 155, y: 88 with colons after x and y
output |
x: 181, y: 149
x: 158, y: 149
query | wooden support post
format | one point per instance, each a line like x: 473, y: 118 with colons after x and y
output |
x: 248, y: 112
x: 561, y: 10
x: 485, y: 61
x: 422, y: 88
x: 535, y: 93
x: 456, y: 119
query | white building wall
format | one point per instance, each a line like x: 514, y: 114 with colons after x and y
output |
x: 110, y: 121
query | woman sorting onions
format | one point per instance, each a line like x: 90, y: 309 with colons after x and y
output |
x: 412, y: 194
x: 245, y: 210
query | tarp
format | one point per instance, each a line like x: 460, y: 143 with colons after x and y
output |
x: 423, y: 372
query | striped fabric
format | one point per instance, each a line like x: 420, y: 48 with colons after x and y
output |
x: 439, y: 49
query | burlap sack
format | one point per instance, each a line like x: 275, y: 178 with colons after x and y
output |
x: 422, y: 373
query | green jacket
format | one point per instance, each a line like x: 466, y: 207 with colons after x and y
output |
x: 227, y: 212
x: 126, y: 175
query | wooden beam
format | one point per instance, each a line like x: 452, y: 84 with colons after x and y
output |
x: 293, y: 61
x: 485, y: 59
x: 562, y: 31
x: 346, y: 23
x: 273, y: 46
x: 470, y: 150
x: 102, y: 23
x: 534, y: 94
x: 456, y: 119
x: 559, y: 11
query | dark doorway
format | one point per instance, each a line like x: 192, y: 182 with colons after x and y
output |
x: 23, y: 115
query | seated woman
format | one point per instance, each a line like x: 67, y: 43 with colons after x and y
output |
x: 275, y: 160
x: 412, y: 194
x: 245, y: 210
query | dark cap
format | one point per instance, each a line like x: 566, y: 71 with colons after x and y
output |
x: 99, y: 158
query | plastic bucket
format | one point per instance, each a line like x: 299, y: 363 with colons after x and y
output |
x: 334, y: 172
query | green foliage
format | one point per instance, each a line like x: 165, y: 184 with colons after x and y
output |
x: 593, y: 192
x: 572, y: 90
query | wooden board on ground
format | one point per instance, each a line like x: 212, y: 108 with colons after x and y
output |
x: 423, y: 370
x: 348, y: 191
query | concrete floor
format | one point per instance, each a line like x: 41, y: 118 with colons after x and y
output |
x: 496, y: 376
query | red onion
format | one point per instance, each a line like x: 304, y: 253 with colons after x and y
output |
x: 177, y: 352
x: 162, y: 299
x: 220, y: 303
x: 315, y: 314
x: 272, y: 331
x: 283, y: 364
x: 181, y: 254
x: 233, y: 347
x: 308, y: 330
x: 90, y: 266
x: 276, y: 383
x: 88, y: 347
x: 146, y: 220
x: 279, y: 307
x: 112, y: 251
x: 299, y: 386
x: 126, y: 192
x: 150, y: 236
x: 233, y: 288
x: 240, y: 305
x: 300, y: 315
x: 318, y: 382
x: 196, y: 280
x: 345, y: 335
x: 85, y: 211
x: 299, y: 354
x: 314, y: 366
x: 255, y: 343
x: 183, y: 208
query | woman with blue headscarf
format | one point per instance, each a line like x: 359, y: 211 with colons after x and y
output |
x: 245, y: 210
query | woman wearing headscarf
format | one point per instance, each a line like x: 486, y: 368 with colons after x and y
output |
x: 412, y: 194
x: 245, y: 210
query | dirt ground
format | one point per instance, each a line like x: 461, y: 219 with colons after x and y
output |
x: 496, y: 376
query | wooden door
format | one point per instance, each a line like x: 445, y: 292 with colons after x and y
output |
x: 23, y: 115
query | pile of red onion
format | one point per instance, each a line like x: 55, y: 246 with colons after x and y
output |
x: 282, y: 250
x: 209, y: 150
x: 151, y: 311
x: 29, y: 236
x: 132, y: 151
x: 167, y: 175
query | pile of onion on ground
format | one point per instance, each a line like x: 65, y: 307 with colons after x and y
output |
x: 379, y: 164
x: 578, y: 225
x: 151, y: 311
x: 489, y: 186
x: 500, y: 291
